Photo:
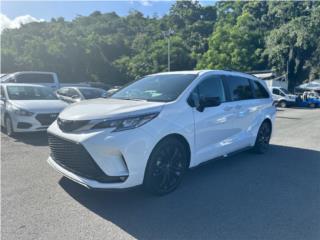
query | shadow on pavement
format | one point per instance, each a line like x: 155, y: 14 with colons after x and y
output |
x: 246, y: 196
x: 35, y: 139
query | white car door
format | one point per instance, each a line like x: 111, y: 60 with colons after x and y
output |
x: 244, y: 107
x: 213, y: 125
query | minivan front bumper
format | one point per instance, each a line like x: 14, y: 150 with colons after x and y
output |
x: 121, y: 156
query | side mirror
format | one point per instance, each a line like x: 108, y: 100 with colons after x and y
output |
x: 208, y: 102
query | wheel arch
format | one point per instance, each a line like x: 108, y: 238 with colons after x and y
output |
x: 182, y: 139
x: 268, y: 120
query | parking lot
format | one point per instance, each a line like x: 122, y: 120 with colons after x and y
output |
x: 246, y: 196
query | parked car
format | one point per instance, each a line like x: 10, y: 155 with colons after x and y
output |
x: 49, y: 79
x: 76, y: 94
x: 309, y: 99
x: 151, y: 131
x: 28, y: 107
x: 113, y: 90
x: 283, y: 97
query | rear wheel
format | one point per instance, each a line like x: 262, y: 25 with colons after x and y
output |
x: 283, y: 104
x: 312, y: 105
x: 263, y: 138
x: 166, y: 167
x: 8, y: 126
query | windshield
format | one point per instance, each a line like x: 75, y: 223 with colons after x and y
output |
x: 30, y: 93
x: 156, y: 88
x: 89, y: 93
x: 285, y: 91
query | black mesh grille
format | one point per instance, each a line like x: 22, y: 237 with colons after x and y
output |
x: 46, y: 118
x: 75, y: 158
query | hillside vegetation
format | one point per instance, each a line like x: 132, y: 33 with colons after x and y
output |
x: 283, y: 36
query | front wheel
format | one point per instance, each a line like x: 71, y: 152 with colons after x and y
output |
x: 263, y: 138
x: 166, y: 166
x: 8, y: 126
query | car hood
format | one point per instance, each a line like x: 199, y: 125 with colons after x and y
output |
x: 105, y: 108
x: 40, y: 106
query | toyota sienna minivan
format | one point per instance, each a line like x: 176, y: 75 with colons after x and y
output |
x: 152, y: 130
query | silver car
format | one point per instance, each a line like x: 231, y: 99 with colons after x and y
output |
x: 28, y: 107
x: 77, y: 94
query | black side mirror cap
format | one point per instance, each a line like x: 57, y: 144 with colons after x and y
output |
x: 208, y: 102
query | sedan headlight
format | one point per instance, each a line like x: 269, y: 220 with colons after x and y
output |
x: 21, y: 112
x: 126, y: 123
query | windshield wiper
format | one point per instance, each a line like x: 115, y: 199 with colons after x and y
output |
x: 133, y: 99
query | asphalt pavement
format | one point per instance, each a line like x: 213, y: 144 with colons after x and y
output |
x: 243, y: 197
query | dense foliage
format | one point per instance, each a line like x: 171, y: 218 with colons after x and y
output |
x: 245, y: 36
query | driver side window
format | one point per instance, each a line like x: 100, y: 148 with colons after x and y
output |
x: 212, y: 88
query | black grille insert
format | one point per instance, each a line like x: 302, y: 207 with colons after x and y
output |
x: 75, y: 158
x: 46, y: 118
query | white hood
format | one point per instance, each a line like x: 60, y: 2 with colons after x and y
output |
x: 105, y: 108
x: 40, y: 106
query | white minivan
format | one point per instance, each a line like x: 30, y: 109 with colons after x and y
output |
x: 49, y: 79
x: 152, y: 130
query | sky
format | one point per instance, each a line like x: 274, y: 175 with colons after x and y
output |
x: 14, y: 13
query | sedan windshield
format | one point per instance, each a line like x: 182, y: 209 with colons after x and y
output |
x: 30, y: 93
x: 156, y: 88
x: 90, y: 93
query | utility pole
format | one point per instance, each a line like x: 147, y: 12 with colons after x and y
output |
x: 167, y: 35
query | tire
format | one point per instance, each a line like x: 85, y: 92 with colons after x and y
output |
x: 312, y: 105
x: 166, y: 167
x: 283, y: 104
x: 8, y: 126
x: 263, y: 138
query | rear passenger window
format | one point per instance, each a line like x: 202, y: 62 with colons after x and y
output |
x: 212, y: 87
x: 259, y: 90
x: 240, y: 88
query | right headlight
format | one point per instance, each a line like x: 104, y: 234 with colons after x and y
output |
x: 126, y: 123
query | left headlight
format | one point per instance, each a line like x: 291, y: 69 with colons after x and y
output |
x: 126, y: 123
x: 21, y: 112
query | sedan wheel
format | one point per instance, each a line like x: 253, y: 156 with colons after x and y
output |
x: 166, y: 167
x: 8, y: 126
x: 263, y: 138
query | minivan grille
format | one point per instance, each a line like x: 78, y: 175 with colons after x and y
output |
x: 75, y: 158
x: 46, y: 118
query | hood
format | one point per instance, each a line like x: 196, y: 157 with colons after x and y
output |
x: 40, y: 106
x: 105, y: 108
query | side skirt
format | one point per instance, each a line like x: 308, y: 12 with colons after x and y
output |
x: 223, y: 156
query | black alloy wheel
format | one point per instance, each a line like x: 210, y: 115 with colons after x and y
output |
x: 263, y: 138
x: 166, y: 166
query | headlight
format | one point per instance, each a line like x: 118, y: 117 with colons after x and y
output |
x: 20, y: 111
x: 122, y: 124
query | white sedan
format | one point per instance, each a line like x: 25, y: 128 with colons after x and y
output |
x: 28, y: 107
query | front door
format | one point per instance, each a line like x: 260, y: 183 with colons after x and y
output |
x: 213, y: 125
